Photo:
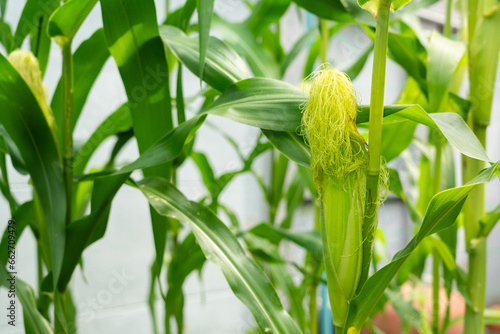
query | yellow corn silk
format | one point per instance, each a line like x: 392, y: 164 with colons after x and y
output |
x: 27, y: 65
x: 338, y: 160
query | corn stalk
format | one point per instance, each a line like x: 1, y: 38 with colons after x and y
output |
x: 484, y: 17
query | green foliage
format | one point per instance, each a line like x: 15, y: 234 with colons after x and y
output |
x: 241, y: 76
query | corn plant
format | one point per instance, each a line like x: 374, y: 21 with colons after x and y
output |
x: 340, y: 145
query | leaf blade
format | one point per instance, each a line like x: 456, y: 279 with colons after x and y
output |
x: 220, y: 246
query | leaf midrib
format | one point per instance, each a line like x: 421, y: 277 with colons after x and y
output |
x: 223, y: 251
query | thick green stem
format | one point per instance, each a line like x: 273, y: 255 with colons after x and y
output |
x: 474, y: 210
x: 313, y: 309
x: 474, y: 318
x: 324, y: 41
x: 375, y: 135
x: 67, y: 126
x: 435, y: 253
x: 435, y: 291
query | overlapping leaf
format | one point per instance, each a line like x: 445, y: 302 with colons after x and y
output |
x: 220, y: 246
x: 441, y: 213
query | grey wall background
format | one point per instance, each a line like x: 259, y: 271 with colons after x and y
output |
x: 112, y: 290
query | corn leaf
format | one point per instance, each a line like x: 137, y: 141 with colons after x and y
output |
x: 451, y: 125
x: 260, y: 102
x: 441, y: 213
x: 264, y: 13
x: 83, y: 232
x: 34, y: 322
x: 26, y: 125
x: 223, y: 66
x: 489, y: 221
x: 247, y: 280
x: 40, y: 41
x: 443, y: 56
x: 241, y: 39
x: 134, y: 41
x: 67, y: 19
x: 33, y: 11
x: 118, y: 121
x: 187, y: 258
x: 291, y: 145
x: 205, y: 11
x: 330, y: 10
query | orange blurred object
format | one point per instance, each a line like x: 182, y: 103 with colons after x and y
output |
x: 390, y: 323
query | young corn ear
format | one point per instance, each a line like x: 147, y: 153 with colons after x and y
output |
x: 27, y: 65
x: 338, y: 161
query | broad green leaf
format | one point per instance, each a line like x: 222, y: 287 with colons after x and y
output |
x: 330, y: 10
x: 165, y: 150
x: 187, y: 258
x: 134, y: 41
x: 247, y: 280
x: 40, y: 42
x: 13, y: 151
x: 310, y: 240
x: 353, y: 71
x: 264, y: 13
x: 239, y: 37
x: 451, y: 125
x: 34, y: 322
x: 489, y: 221
x: 6, y: 37
x: 67, y: 19
x: 83, y: 232
x: 88, y: 61
x: 181, y: 17
x: 441, y: 213
x: 444, y: 253
x: 206, y: 171
x: 406, y: 50
x: 223, y: 66
x: 205, y: 13
x: 22, y: 217
x: 118, y: 121
x: 443, y: 56
x: 168, y: 147
x: 27, y: 126
x: 396, y: 138
x: 291, y: 145
x: 284, y: 281
x: 264, y: 103
x: 33, y: 11
x: 275, y: 105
